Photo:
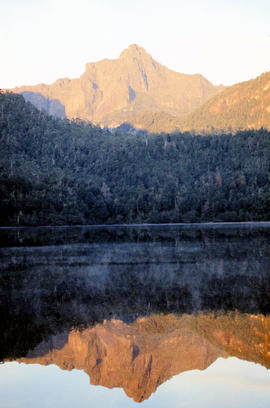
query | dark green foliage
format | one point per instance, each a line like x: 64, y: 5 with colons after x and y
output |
x: 58, y: 172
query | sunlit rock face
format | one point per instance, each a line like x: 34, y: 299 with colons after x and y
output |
x: 140, y: 356
x: 111, y: 92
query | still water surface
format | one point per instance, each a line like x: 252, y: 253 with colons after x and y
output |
x: 135, y: 316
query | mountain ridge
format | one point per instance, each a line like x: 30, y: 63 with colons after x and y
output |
x: 112, y: 91
x: 242, y: 106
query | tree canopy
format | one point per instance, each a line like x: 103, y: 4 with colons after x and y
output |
x: 55, y: 172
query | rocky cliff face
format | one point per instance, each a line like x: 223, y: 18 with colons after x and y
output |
x: 141, y: 356
x: 111, y: 92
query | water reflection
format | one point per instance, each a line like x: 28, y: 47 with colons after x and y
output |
x: 140, y: 356
x: 226, y: 383
x: 133, y: 307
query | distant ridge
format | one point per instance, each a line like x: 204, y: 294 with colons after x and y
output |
x: 239, y: 107
x: 111, y: 92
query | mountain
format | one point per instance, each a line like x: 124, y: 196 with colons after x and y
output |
x: 137, y: 90
x: 140, y: 356
x: 111, y: 92
x: 242, y: 106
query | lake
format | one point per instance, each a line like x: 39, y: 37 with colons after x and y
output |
x: 146, y: 315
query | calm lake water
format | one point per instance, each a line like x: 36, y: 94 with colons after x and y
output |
x: 124, y: 316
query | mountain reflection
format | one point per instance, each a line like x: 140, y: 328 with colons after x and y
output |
x: 140, y: 356
x: 133, y: 307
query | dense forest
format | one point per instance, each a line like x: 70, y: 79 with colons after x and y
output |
x: 55, y: 172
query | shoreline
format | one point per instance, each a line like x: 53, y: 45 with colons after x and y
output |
x: 182, y: 224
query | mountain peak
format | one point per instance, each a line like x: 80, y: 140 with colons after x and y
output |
x: 133, y: 50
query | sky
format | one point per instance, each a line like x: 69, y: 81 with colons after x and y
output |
x: 226, y: 383
x: 227, y: 41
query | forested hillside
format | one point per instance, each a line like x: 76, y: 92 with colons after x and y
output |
x: 55, y: 171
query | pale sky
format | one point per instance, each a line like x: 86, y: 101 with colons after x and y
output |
x: 226, y: 383
x: 227, y: 41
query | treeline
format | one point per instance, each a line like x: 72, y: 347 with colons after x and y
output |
x: 56, y: 172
